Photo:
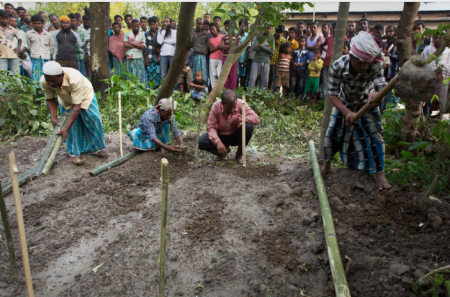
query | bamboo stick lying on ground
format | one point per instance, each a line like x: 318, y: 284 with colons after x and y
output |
x: 112, y: 164
x: 51, y: 159
x: 337, y: 269
x: 12, y: 256
x: 162, y: 242
x: 13, y: 171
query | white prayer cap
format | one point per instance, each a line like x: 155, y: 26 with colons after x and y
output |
x: 52, y: 68
x: 166, y: 103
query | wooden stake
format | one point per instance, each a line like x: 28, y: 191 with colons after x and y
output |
x: 12, y: 256
x: 13, y: 171
x: 120, y: 126
x: 198, y: 132
x: 162, y: 243
x: 244, y: 159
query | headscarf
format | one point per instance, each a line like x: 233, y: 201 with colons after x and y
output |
x: 166, y: 104
x: 364, y: 47
x: 52, y: 68
x: 116, y: 46
x: 64, y: 18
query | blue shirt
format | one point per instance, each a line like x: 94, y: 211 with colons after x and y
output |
x: 150, y: 46
x: 151, y: 123
x: 190, y: 59
x: 300, y: 56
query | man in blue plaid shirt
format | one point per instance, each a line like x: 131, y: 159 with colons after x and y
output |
x: 354, y: 80
x: 150, y: 52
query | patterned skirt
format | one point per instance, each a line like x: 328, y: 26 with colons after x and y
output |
x: 154, y: 73
x: 36, y: 70
x: 136, y: 68
x: 143, y: 143
x: 86, y: 134
x: 117, y: 66
x: 200, y: 64
x: 361, y: 146
x: 82, y: 67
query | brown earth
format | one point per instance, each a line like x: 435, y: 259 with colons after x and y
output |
x: 231, y: 231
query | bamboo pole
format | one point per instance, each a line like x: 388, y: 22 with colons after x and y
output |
x: 172, y: 141
x: 112, y: 164
x: 120, y: 126
x: 337, y: 269
x: 55, y: 149
x: 12, y: 256
x: 162, y: 243
x: 198, y: 132
x: 22, y: 179
x: 13, y: 171
x: 244, y: 158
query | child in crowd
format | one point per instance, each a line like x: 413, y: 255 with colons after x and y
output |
x: 282, y: 68
x: 314, y: 67
x: 216, y: 54
x: 299, y: 59
x: 346, y: 49
x: 285, y: 34
x: 387, y: 61
x: 291, y: 38
x: 198, y: 87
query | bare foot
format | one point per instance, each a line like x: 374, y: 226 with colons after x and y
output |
x: 326, y: 168
x: 382, y: 182
x: 71, y: 159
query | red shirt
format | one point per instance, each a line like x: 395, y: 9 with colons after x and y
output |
x: 329, y: 41
x: 218, y: 117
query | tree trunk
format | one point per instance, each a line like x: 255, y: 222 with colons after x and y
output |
x: 339, y: 38
x: 99, y: 40
x: 405, y: 52
x: 185, y: 40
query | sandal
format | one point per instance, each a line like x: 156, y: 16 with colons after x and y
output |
x: 78, y: 161
x: 101, y: 154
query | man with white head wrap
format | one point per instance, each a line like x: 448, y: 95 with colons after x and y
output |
x: 154, y: 128
x: 352, y: 80
x: 84, y: 129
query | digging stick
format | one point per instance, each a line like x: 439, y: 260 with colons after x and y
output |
x: 198, y: 132
x: 112, y: 164
x: 12, y: 256
x: 55, y: 149
x: 244, y: 159
x: 120, y: 126
x: 13, y: 171
x: 337, y: 269
x: 162, y: 244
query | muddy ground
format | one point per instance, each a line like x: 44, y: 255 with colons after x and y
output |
x: 231, y: 232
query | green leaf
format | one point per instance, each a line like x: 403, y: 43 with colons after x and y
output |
x: 447, y: 286
x: 35, y: 126
x: 419, y: 145
x: 438, y: 279
x: 46, y: 125
x: 407, y: 155
x: 33, y: 111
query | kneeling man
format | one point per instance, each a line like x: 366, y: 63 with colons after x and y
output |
x: 84, y: 129
x: 224, y: 126
x: 153, y: 129
x: 352, y: 79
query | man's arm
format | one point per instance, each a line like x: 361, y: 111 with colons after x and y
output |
x: 80, y: 43
x: 52, y: 106
x: 211, y: 126
x: 55, y: 46
x: 266, y: 49
x: 76, y: 108
x: 192, y: 85
x: 317, y: 45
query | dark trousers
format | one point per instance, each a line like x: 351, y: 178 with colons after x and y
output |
x: 68, y: 63
x: 234, y: 139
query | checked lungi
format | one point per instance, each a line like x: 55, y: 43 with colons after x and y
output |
x: 142, y: 142
x: 82, y: 67
x: 136, y: 68
x: 86, y: 134
x: 361, y: 146
x: 36, y: 70
x: 200, y: 64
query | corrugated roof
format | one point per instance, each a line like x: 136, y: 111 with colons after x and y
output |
x: 332, y: 7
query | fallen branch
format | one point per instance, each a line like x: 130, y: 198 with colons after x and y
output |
x: 421, y: 280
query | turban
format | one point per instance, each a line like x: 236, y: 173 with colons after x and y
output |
x: 166, y: 104
x: 364, y: 47
x: 52, y: 68
x: 64, y: 18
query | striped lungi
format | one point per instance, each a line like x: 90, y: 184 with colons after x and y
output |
x: 117, y: 66
x: 136, y: 68
x: 200, y: 64
x: 86, y: 134
x: 36, y: 70
x: 142, y: 142
x: 82, y: 67
x: 361, y: 146
x: 154, y: 73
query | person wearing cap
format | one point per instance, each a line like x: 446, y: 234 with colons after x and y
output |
x: 83, y: 133
x: 354, y: 80
x: 153, y: 129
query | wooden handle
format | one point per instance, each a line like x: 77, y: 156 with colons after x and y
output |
x: 20, y: 225
x: 244, y: 159
x: 120, y: 126
x: 376, y: 101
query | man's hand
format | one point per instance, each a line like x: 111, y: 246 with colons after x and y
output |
x: 349, y: 118
x: 221, y: 149
x: 185, y: 71
x: 55, y: 122
x: 147, y: 62
x: 87, y: 41
x: 164, y: 26
x: 173, y: 150
x: 244, y: 64
x: 16, y: 50
x: 64, y: 132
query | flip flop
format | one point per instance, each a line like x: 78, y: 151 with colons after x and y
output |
x: 78, y: 161
x: 100, y: 154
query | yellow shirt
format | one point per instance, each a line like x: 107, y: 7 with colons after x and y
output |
x: 313, y: 65
x: 294, y: 44
x: 75, y: 89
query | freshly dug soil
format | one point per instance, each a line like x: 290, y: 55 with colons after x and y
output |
x: 231, y: 231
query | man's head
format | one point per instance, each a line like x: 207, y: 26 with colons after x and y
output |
x: 53, y: 74
x: 326, y: 29
x: 173, y: 24
x: 12, y: 21
x: 308, y: 29
x: 166, y: 21
x: 332, y: 28
x: 65, y: 22
x: 86, y: 22
x: 352, y: 27
x: 42, y: 15
x: 278, y: 31
x: 421, y: 26
x: 38, y: 23
x: 207, y: 16
x: 226, y: 25
x: 213, y: 30
x: 206, y: 24
x: 54, y: 20
x: 245, y: 24
x: 364, y: 24
x: 300, y: 27
x: 143, y: 22
x: 437, y: 41
x: 20, y: 10
x: 358, y: 65
x: 79, y: 19
x: 268, y: 30
x: 199, y: 76
x: 217, y: 20
x: 153, y: 24
x: 135, y: 26
x: 73, y: 21
x: 229, y: 100
x: 116, y: 27
x: 313, y: 28
x: 301, y: 41
x: 9, y: 8
x: 3, y: 18
x: 346, y: 48
x: 26, y: 17
x: 378, y: 31
x: 199, y: 24
x: 118, y: 19
x: 128, y: 20
x: 165, y: 108
x: 292, y: 32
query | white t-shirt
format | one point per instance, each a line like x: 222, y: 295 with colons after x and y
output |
x: 168, y: 44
